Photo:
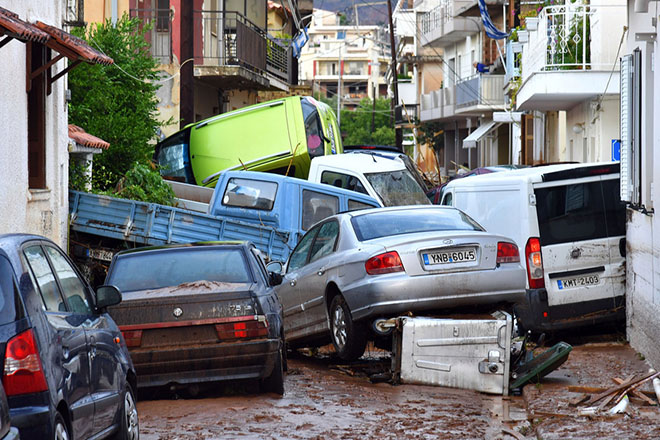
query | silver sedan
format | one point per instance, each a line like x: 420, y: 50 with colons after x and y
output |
x: 352, y: 269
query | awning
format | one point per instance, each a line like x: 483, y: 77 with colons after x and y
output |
x: 84, y: 139
x: 71, y: 46
x: 13, y: 27
x: 478, y: 134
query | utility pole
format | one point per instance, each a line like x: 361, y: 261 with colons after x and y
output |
x: 339, y: 89
x: 373, y: 112
x: 395, y: 83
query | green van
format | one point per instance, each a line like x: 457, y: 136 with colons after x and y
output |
x: 279, y: 136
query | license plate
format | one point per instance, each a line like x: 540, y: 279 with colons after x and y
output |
x: 100, y: 254
x: 586, y: 280
x: 450, y: 256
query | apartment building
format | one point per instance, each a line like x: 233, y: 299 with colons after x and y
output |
x: 348, y: 61
x: 464, y: 105
x: 219, y: 54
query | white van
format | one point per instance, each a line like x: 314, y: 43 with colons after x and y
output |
x: 570, y: 222
x: 382, y: 175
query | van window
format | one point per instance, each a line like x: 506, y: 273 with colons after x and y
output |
x: 341, y: 180
x: 447, y: 199
x: 354, y: 205
x: 317, y: 206
x: 578, y: 212
x: 174, y: 159
x: 247, y: 193
x: 313, y: 129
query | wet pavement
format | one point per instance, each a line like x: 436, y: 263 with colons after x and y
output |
x: 327, y: 400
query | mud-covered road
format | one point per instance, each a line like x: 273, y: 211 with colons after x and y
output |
x: 324, y: 400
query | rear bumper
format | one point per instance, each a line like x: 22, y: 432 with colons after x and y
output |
x: 32, y: 421
x: 387, y: 295
x: 535, y: 314
x: 205, y: 363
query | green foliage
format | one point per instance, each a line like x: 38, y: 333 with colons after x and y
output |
x: 144, y: 184
x: 78, y: 180
x: 356, y: 125
x: 118, y: 102
x: 430, y: 134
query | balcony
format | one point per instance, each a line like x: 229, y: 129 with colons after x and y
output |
x: 229, y: 50
x: 438, y: 104
x: 479, y: 93
x: 570, y: 56
x: 441, y: 27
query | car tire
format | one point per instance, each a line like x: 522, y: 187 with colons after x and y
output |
x: 274, y: 383
x: 60, y: 428
x: 129, y: 427
x: 348, y: 337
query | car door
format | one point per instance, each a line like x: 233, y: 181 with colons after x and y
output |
x: 67, y: 359
x: 288, y: 292
x: 104, y: 369
x: 579, y: 234
x: 312, y: 277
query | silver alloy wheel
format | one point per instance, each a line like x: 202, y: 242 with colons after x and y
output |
x: 60, y: 431
x: 339, y: 327
x: 131, y: 414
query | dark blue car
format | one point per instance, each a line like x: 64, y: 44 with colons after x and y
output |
x: 67, y: 372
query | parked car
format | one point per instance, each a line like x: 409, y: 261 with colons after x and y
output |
x: 7, y: 432
x: 435, y: 194
x: 67, y: 371
x: 571, y: 223
x: 200, y: 312
x: 353, y: 269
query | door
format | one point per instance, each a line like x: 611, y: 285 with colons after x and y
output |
x: 104, y: 368
x: 581, y: 224
x: 312, y: 278
x: 288, y: 292
x: 67, y: 358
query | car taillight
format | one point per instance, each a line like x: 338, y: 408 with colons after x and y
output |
x: 534, y: 264
x: 23, y: 373
x: 133, y: 338
x: 250, y: 328
x: 384, y: 263
x: 507, y: 253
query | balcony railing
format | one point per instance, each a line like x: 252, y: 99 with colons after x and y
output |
x: 480, y: 89
x: 437, y: 16
x: 573, y: 37
x: 221, y: 39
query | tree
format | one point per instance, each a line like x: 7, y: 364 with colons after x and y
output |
x: 117, y: 103
x: 356, y: 124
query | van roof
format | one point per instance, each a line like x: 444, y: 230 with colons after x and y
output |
x: 362, y: 163
x: 544, y: 173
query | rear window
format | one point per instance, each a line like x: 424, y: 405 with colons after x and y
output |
x: 10, y: 302
x: 410, y: 221
x: 248, y: 193
x: 173, y: 156
x: 157, y: 269
x: 583, y: 211
x: 398, y: 188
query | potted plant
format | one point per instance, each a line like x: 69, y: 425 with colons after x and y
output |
x: 532, y: 23
x: 523, y: 35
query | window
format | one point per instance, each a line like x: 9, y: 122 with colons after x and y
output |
x: 174, y: 158
x: 341, y: 180
x: 38, y: 56
x: 72, y: 287
x: 299, y: 255
x: 447, y: 199
x: 354, y: 205
x: 246, y: 193
x: 341, y: 35
x: 313, y: 128
x: 11, y: 307
x: 397, y: 188
x: 163, y: 16
x: 411, y: 221
x: 583, y: 211
x: 325, y: 240
x: 317, y: 206
x: 43, y: 275
x: 173, y: 267
x: 631, y: 132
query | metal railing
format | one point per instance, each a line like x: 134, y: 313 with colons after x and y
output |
x: 437, y: 16
x: 564, y: 39
x: 160, y: 35
x: 480, y: 89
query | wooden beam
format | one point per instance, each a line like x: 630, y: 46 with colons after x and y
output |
x: 65, y: 71
x: 5, y: 41
x: 28, y: 67
x: 38, y: 72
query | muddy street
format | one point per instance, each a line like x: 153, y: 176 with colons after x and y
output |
x: 325, y: 399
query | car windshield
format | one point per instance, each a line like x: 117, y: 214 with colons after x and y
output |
x: 156, y: 269
x: 172, y: 155
x: 397, y: 188
x: 411, y: 221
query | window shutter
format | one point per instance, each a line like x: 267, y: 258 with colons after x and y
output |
x: 630, y: 127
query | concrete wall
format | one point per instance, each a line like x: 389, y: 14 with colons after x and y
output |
x: 42, y: 211
x: 595, y: 127
x: 643, y: 230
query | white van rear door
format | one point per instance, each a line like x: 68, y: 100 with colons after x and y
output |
x: 581, y: 223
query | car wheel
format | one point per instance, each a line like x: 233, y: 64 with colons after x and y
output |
x: 129, y: 428
x: 275, y: 382
x: 348, y: 337
x: 60, y: 429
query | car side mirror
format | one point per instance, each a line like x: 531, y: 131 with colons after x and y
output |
x: 107, y: 296
x: 274, y: 269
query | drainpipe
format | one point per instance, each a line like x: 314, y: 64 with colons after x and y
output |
x: 114, y: 12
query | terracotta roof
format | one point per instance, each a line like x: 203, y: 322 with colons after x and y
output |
x: 14, y: 27
x: 72, y: 47
x: 274, y: 5
x: 81, y: 137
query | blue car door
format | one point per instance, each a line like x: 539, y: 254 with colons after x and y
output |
x: 102, y: 342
